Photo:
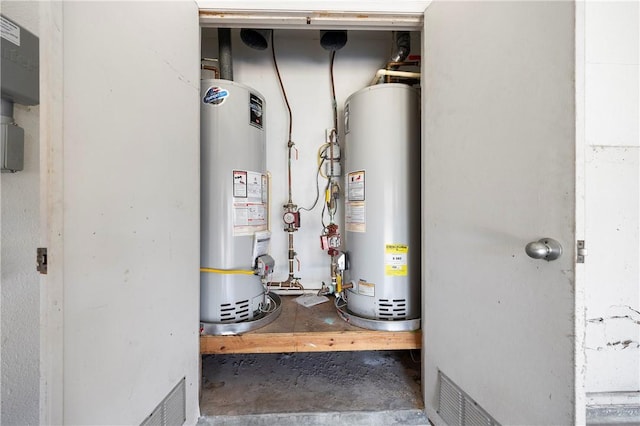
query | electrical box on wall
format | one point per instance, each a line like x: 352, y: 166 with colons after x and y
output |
x: 20, y: 84
x: 12, y: 147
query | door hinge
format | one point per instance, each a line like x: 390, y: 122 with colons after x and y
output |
x: 41, y: 260
x: 582, y: 251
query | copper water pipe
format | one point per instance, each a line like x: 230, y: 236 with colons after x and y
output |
x: 216, y: 71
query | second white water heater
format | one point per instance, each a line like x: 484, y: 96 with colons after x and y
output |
x: 382, y: 202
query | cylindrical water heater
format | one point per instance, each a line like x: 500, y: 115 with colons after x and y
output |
x: 382, y: 202
x: 233, y: 199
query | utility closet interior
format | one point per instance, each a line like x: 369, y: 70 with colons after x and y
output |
x: 310, y: 221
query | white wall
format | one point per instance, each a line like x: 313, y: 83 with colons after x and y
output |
x: 304, y: 66
x: 612, y: 196
x: 20, y: 282
x: 410, y: 6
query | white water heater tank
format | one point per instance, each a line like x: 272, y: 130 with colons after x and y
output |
x: 233, y: 199
x: 382, y: 202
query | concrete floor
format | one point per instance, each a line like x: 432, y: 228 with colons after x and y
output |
x: 606, y: 415
x: 368, y: 387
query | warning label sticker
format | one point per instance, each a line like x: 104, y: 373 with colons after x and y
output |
x: 366, y: 289
x: 254, y: 186
x: 395, y: 260
x: 265, y: 189
x: 255, y: 111
x: 250, y: 196
x: 355, y: 186
x: 239, y: 184
x: 354, y: 206
x: 249, y: 214
x: 346, y: 119
x: 355, y: 216
x: 9, y: 31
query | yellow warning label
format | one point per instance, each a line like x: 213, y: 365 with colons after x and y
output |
x: 395, y: 260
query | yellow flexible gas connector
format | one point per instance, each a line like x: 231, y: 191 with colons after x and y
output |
x: 227, y: 271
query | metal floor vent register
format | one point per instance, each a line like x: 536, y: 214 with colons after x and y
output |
x: 455, y: 407
x: 171, y: 411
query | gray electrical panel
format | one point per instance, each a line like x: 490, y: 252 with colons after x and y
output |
x: 20, y: 64
x: 12, y: 146
x: 19, y: 83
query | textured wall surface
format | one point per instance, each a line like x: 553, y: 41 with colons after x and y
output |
x: 612, y: 175
x: 20, y: 293
x: 499, y: 144
x: 131, y: 217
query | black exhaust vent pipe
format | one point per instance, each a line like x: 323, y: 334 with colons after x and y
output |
x: 224, y: 54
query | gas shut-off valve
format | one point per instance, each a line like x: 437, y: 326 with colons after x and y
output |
x: 330, y: 241
x: 264, y: 266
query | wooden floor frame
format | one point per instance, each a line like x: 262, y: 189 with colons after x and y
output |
x: 314, y: 329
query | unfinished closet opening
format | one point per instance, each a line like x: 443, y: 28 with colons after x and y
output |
x: 299, y: 346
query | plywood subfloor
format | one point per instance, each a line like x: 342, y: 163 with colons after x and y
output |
x: 362, y: 381
x: 314, y: 329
